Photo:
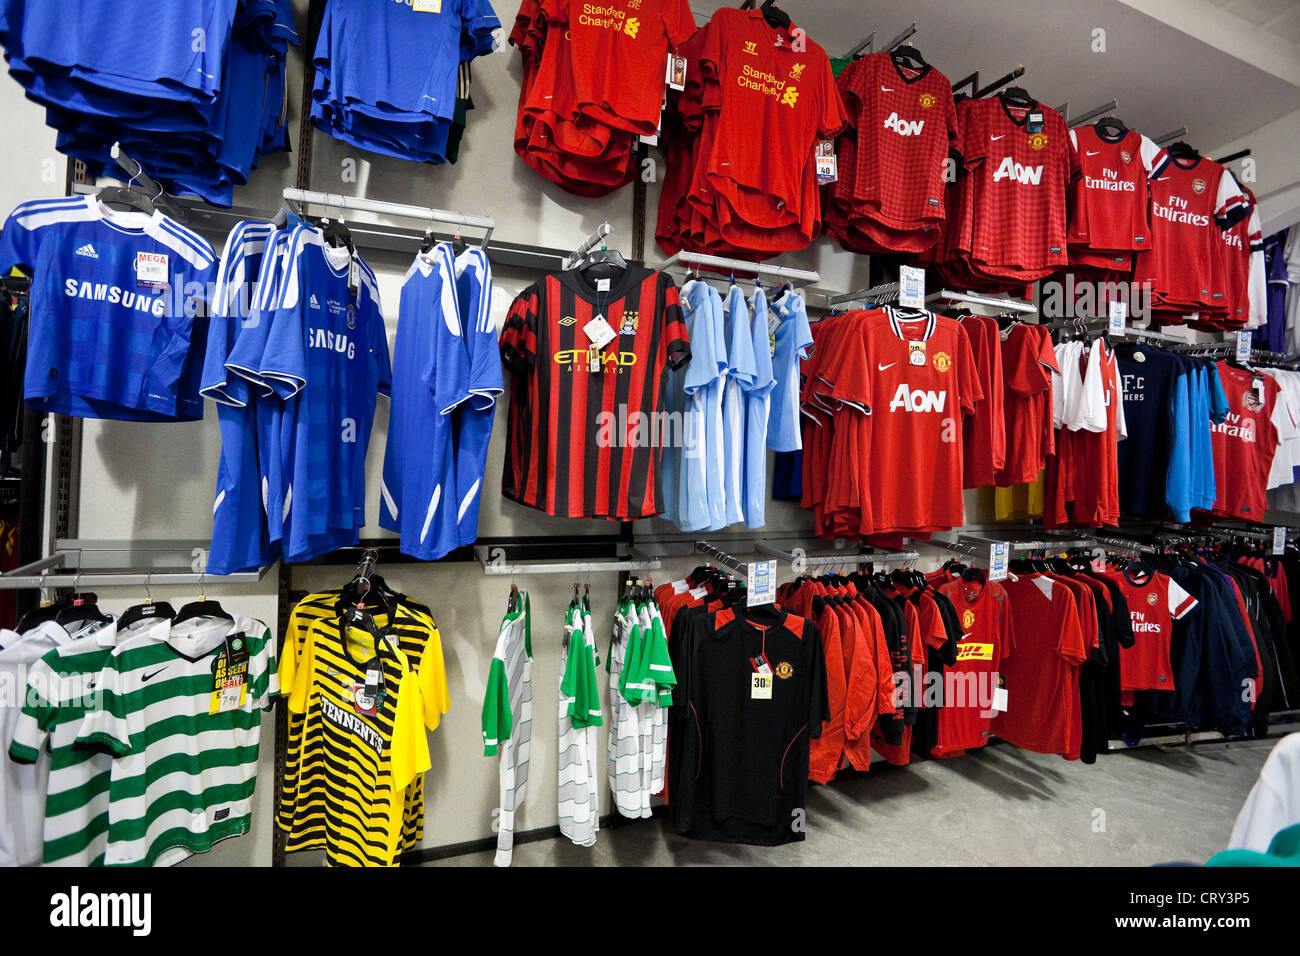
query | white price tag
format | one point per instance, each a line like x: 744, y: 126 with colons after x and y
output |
x: 762, y: 582
x: 760, y: 686
x: 1118, y: 317
x: 1243, y: 346
x: 828, y: 164
x: 1000, y: 699
x: 427, y: 6
x: 1279, y: 540
x: 598, y: 332
x: 151, y: 267
x: 911, y: 287
x: 998, y: 560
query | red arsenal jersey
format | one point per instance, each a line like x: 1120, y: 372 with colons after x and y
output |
x: 775, y: 102
x: 1239, y: 242
x: 905, y: 120
x: 1155, y: 601
x: 970, y: 684
x: 916, y: 379
x: 585, y: 432
x: 620, y: 53
x: 1192, y: 200
x: 1109, y: 196
x: 1246, y: 441
x: 1043, y: 711
x: 1018, y: 178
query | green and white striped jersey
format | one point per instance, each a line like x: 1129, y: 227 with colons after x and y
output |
x: 579, y: 716
x: 61, y: 688
x: 185, y: 753
x: 508, y: 719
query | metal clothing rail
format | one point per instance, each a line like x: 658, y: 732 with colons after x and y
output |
x: 82, y: 563
x: 631, y: 561
x: 685, y: 260
x: 721, y: 557
x: 591, y: 242
x: 399, y: 210
x: 997, y: 84
x: 1173, y: 136
x: 830, y: 560
x: 877, y: 293
x: 974, y: 298
x: 1140, y: 547
x: 1080, y: 120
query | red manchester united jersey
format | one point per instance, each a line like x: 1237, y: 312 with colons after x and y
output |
x: 970, y: 685
x: 1109, y: 195
x: 585, y: 425
x: 915, y: 378
x: 905, y: 121
x: 1019, y: 172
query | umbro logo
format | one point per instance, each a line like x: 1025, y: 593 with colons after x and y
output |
x: 88, y: 251
x: 315, y: 302
x: 567, y: 321
x: 146, y: 678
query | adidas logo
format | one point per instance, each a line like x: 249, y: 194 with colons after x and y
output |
x: 315, y: 302
x: 88, y: 251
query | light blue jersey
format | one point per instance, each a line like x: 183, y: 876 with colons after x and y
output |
x: 742, y: 373
x: 757, y: 409
x: 793, y: 338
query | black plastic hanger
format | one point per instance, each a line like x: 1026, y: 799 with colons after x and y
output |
x: 128, y: 196
x: 603, y: 257
x: 909, y: 53
x: 1018, y: 96
x: 774, y: 15
x: 1182, y: 150
x: 38, y: 616
x: 82, y: 609
x: 154, y: 610
x: 337, y: 233
x: 1111, y: 127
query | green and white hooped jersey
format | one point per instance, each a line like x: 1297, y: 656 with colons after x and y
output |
x: 185, y: 764
x: 508, y: 719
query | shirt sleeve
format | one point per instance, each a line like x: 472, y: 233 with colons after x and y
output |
x: 498, y: 722
x: 833, y: 115
x: 519, y: 337
x: 284, y: 360
x: 677, y: 340
x: 264, y: 680
x: 968, y: 381
x: 19, y: 243
x: 1231, y: 204
x: 1072, y: 643
x: 106, y: 727
x: 38, y: 715
x: 679, y: 22
x: 1180, y: 602
x: 433, y: 681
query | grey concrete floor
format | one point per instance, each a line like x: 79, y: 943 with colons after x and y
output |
x: 1002, y: 806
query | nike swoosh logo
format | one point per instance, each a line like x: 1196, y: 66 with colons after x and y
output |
x: 996, y: 138
x: 886, y: 89
x: 881, y: 368
x: 1092, y: 152
x: 145, y: 678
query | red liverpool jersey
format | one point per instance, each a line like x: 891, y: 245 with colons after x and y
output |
x: 619, y: 53
x: 1192, y: 200
x: 905, y: 121
x: 585, y: 436
x: 1246, y: 441
x: 970, y: 684
x: 777, y: 97
x: 1018, y: 179
x: 1109, y: 195
x: 916, y: 379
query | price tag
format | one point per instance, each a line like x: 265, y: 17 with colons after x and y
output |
x: 1035, y: 122
x: 999, y: 555
x: 762, y: 583
x: 1279, y: 540
x: 1243, y: 346
x: 427, y: 6
x: 1118, y: 317
x: 1000, y: 699
x: 828, y: 164
x: 676, y: 74
x: 760, y: 686
x: 151, y: 268
x: 911, y: 287
x: 230, y: 677
x: 599, y: 332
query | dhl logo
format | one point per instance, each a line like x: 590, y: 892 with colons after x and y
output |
x: 974, y: 652
x: 579, y: 357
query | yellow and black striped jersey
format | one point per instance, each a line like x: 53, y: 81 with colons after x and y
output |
x: 364, y: 711
x: 301, y: 811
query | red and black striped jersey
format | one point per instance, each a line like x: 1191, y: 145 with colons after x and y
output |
x: 586, y: 430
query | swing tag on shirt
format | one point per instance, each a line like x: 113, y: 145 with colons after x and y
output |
x: 760, y: 682
x: 1118, y: 318
x: 911, y: 287
x: 675, y: 75
x: 599, y: 332
x: 916, y: 353
x: 828, y: 164
x: 1000, y: 694
x: 230, y: 676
